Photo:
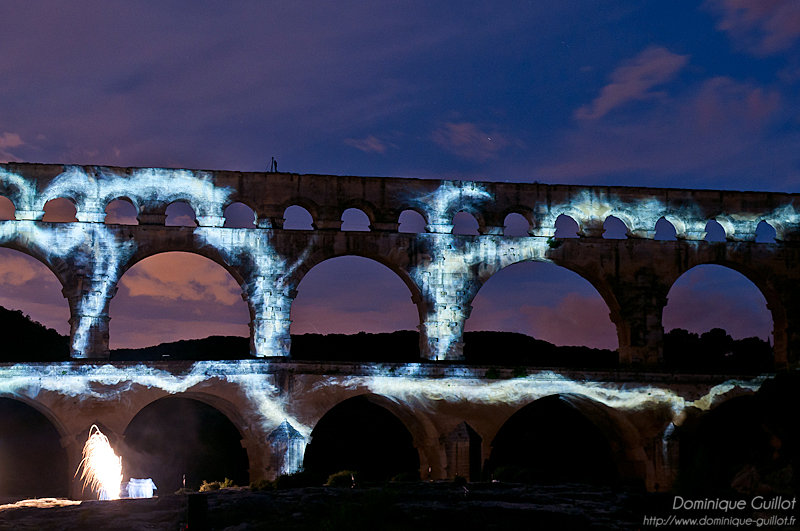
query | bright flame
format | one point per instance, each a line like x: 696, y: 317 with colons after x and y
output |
x: 102, y: 468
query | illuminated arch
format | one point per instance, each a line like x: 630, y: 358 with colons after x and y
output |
x: 765, y: 232
x: 615, y: 228
x: 7, y: 208
x: 115, y: 212
x: 465, y: 223
x: 239, y: 215
x: 412, y: 218
x: 715, y: 231
x: 522, y: 269
x: 321, y: 257
x: 60, y: 210
x: 665, y: 230
x: 566, y: 227
x: 517, y: 224
x: 208, y: 254
x: 179, y: 209
x: 166, y: 453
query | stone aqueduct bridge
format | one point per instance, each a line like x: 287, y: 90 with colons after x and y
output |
x: 635, y: 407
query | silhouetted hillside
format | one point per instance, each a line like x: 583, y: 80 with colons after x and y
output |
x: 209, y: 348
x: 27, y: 340
x: 402, y: 346
x: 713, y: 351
x: 510, y: 348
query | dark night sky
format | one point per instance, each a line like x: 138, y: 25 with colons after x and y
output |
x: 679, y: 94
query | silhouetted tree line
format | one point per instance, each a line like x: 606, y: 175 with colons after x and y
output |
x: 28, y: 340
x: 715, y: 351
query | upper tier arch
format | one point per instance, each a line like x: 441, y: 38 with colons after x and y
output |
x: 442, y: 270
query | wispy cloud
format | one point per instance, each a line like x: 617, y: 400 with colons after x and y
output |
x: 370, y: 144
x: 718, y: 128
x: 634, y: 80
x: 760, y: 27
x: 185, y: 277
x: 8, y: 141
x: 468, y: 141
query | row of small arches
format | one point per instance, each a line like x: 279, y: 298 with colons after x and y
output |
x: 239, y: 215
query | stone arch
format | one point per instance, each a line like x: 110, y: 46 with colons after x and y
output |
x: 305, y: 203
x: 517, y: 223
x: 36, y: 465
x: 761, y: 284
x: 7, y: 208
x: 716, y: 231
x: 182, y: 206
x: 296, y: 276
x: 617, y: 444
x: 665, y: 230
x: 599, y: 284
x: 566, y: 227
x: 615, y: 228
x: 155, y: 453
x: 765, y: 232
x: 239, y: 209
x: 113, y: 219
x: 465, y: 222
x: 414, y: 217
x: 298, y: 211
x: 352, y: 220
x: 206, y: 252
x: 64, y: 209
x: 379, y: 405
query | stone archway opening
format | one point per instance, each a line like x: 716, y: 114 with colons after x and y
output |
x: 363, y: 437
x: 465, y: 223
x: 6, y: 208
x: 538, y: 313
x: 354, y: 219
x: 717, y: 319
x: 175, y: 296
x: 180, y: 214
x: 239, y: 216
x: 121, y: 212
x: 411, y: 221
x: 551, y: 441
x: 177, y: 436
x: 296, y: 217
x: 34, y: 315
x: 32, y: 461
x: 354, y: 308
x: 60, y: 210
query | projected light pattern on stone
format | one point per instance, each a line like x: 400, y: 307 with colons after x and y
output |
x: 276, y: 403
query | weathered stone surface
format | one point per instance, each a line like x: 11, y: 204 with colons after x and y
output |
x: 443, y: 272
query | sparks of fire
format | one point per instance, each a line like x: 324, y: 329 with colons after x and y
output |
x: 102, y: 468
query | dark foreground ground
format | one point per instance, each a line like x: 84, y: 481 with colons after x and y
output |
x: 395, y: 507
x: 418, y: 507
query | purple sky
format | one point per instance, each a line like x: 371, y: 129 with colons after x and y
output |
x: 684, y: 94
